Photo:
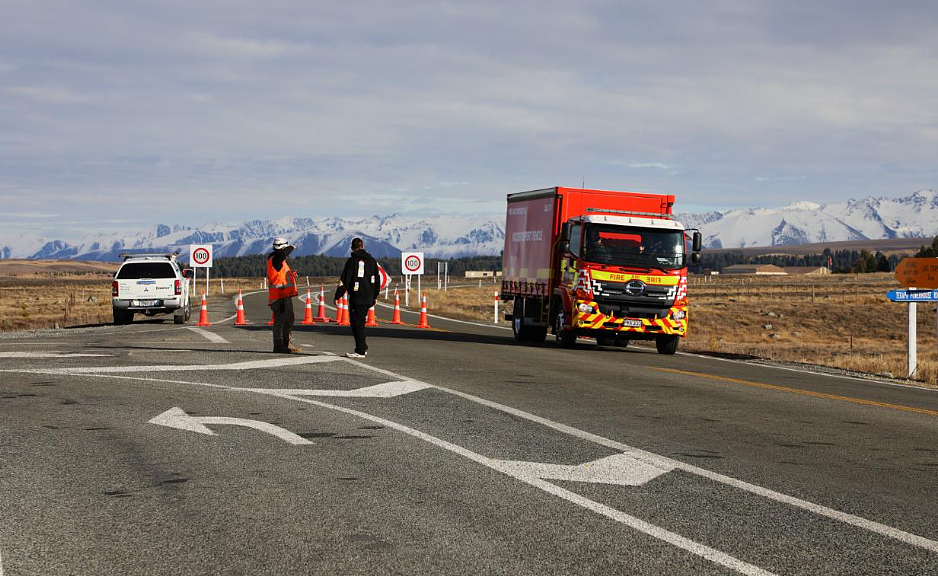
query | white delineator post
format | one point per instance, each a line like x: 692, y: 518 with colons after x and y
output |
x: 496, y: 308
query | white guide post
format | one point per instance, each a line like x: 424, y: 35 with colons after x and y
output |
x: 438, y: 286
x: 446, y: 275
x: 496, y: 307
x: 913, y: 361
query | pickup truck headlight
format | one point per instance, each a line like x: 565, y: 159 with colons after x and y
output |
x: 678, y: 315
x: 585, y: 308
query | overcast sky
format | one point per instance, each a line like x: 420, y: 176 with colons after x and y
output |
x: 116, y: 113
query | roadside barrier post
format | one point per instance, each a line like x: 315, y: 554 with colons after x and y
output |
x: 496, y: 307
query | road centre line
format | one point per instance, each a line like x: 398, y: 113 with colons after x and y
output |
x: 800, y: 391
x: 639, y: 454
x: 210, y: 336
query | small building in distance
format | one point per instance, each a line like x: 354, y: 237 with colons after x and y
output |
x: 755, y: 269
x: 482, y: 274
x: 807, y: 270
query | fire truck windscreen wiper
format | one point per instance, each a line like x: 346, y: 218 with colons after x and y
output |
x: 641, y: 247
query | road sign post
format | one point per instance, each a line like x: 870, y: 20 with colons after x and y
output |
x: 923, y: 273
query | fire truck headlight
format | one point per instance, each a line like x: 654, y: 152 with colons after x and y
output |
x: 678, y: 315
x: 585, y: 308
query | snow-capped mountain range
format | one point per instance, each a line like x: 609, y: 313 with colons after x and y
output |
x: 454, y: 236
x: 805, y: 222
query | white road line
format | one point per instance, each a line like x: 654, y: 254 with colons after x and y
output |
x: 177, y: 418
x: 210, y: 336
x: 52, y: 355
x: 250, y: 365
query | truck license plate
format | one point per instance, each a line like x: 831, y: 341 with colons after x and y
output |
x: 147, y: 303
x: 632, y: 323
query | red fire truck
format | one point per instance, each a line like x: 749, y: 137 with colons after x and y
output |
x: 597, y: 263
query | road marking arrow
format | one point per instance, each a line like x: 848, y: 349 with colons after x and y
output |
x: 386, y: 390
x: 177, y: 418
x: 621, y: 469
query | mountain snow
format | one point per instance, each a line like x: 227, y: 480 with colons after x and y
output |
x: 801, y: 222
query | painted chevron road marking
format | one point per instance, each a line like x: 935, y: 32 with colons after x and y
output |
x: 386, y: 390
x: 619, y: 469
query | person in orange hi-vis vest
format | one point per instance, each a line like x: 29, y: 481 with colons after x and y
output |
x: 281, y: 282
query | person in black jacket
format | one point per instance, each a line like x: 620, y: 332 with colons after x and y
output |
x: 361, y: 281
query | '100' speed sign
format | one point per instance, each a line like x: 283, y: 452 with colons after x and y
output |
x: 412, y: 262
x: 200, y: 255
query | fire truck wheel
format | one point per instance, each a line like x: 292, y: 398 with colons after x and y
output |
x: 621, y: 342
x: 517, y: 321
x: 605, y: 340
x: 666, y: 344
x: 565, y: 338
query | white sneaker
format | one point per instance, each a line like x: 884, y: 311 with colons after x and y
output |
x: 354, y: 355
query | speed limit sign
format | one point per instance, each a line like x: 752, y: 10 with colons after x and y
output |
x: 412, y: 263
x: 200, y: 255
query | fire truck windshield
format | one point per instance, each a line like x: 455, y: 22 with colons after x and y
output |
x: 640, y: 247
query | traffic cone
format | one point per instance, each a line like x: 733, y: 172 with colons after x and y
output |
x: 321, y: 315
x: 240, y: 321
x: 371, y: 321
x: 423, y: 313
x: 396, y: 319
x: 338, y: 311
x: 344, y: 304
x: 203, y: 314
x: 271, y: 322
x: 308, y: 317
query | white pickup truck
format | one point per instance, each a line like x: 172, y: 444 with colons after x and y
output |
x: 150, y: 284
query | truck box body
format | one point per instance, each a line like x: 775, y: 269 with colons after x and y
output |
x: 598, y: 263
x: 533, y: 223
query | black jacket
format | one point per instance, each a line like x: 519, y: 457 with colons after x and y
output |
x: 360, y: 279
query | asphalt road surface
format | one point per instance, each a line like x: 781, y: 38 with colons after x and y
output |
x: 162, y: 449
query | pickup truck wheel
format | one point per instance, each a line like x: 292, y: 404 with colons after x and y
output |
x: 179, y: 317
x: 666, y: 344
x: 188, y: 310
x: 565, y: 338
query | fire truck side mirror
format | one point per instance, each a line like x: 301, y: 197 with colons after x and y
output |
x: 695, y: 258
x: 698, y: 241
x: 564, y: 245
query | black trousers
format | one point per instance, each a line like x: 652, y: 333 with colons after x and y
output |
x: 283, y: 322
x: 358, y: 314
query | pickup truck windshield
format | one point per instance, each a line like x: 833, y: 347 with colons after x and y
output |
x: 640, y: 247
x: 147, y: 270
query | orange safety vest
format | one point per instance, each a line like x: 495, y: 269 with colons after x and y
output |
x: 280, y: 284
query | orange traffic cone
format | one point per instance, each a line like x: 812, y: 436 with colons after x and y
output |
x: 321, y: 315
x: 396, y: 319
x: 371, y: 321
x: 203, y: 314
x: 423, y: 313
x: 240, y: 321
x: 308, y: 317
x: 271, y: 322
x: 338, y: 311
x: 344, y: 304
